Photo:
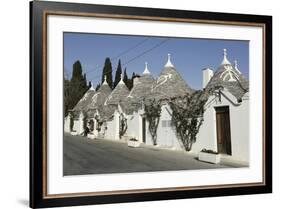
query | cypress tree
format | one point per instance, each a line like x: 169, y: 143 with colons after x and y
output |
x: 77, y: 72
x: 89, y: 84
x: 107, y: 70
x: 66, y: 95
x: 75, y: 88
x: 97, y: 87
x: 130, y: 83
x: 118, y: 74
x: 125, y: 77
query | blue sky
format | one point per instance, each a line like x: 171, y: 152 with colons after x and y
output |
x: 188, y: 55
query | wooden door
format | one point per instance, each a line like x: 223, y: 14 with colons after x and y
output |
x: 143, y: 130
x: 223, y: 130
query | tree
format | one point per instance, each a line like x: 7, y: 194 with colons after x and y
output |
x: 77, y: 71
x: 90, y: 84
x: 118, y: 74
x: 187, y: 116
x: 107, y: 70
x: 123, y: 125
x: 84, y: 81
x: 152, y: 111
x: 97, y: 87
x: 125, y: 77
x: 75, y: 88
x: 130, y: 82
x: 66, y: 95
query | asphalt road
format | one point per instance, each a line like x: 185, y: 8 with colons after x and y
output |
x: 84, y: 156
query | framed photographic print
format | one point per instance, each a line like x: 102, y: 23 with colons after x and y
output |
x: 140, y: 104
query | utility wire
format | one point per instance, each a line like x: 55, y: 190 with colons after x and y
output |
x: 145, y: 52
x: 121, y: 54
x: 138, y: 56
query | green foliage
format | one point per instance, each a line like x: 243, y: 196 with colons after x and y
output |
x: 66, y: 95
x: 99, y: 123
x: 74, y: 88
x: 152, y: 111
x: 90, y: 84
x: 187, y: 117
x: 98, y: 87
x: 107, y: 70
x: 77, y: 71
x: 125, y: 77
x: 71, y: 124
x: 130, y: 82
x: 84, y: 121
x: 123, y: 125
x: 209, y: 151
x: 118, y: 74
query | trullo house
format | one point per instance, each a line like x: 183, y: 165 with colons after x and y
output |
x: 120, y: 114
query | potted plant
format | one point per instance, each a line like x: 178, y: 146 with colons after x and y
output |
x: 133, y: 142
x: 209, y: 156
x: 73, y: 133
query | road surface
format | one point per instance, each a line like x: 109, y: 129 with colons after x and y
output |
x: 85, y: 156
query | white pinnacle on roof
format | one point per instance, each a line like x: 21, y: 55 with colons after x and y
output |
x: 236, y: 66
x: 92, y: 87
x: 169, y: 63
x: 146, y: 71
x: 121, y: 80
x: 105, y: 81
x: 225, y: 60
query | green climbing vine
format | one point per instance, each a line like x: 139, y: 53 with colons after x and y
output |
x: 84, y: 120
x: 123, y: 125
x: 187, y: 116
x: 152, y: 111
x: 71, y: 122
x: 99, y: 123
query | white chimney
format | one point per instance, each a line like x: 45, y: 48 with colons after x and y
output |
x: 207, y: 75
x: 136, y: 80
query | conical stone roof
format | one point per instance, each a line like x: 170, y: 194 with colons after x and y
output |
x: 169, y: 84
x: 118, y: 94
x: 140, y: 91
x: 85, y: 100
x: 228, y: 76
x: 99, y: 97
x: 142, y: 87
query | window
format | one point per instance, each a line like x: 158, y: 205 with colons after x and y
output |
x: 166, y: 123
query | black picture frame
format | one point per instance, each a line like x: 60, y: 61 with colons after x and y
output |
x: 38, y: 89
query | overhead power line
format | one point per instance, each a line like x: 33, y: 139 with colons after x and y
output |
x: 145, y: 52
x: 121, y: 54
x: 138, y: 56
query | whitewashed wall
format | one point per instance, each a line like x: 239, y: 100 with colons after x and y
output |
x: 134, y: 123
x: 133, y: 126
x: 112, y: 131
x: 76, y: 125
x: 239, y: 126
x: 240, y: 130
x: 166, y: 134
x: 67, y: 124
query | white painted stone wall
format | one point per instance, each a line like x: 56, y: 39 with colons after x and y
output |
x: 76, y: 125
x: 239, y: 127
x: 240, y: 131
x: 207, y: 136
x: 112, y: 131
x: 134, y: 123
x: 67, y: 124
x: 166, y: 134
x: 133, y: 126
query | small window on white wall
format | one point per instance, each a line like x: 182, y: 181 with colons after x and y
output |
x: 166, y: 123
